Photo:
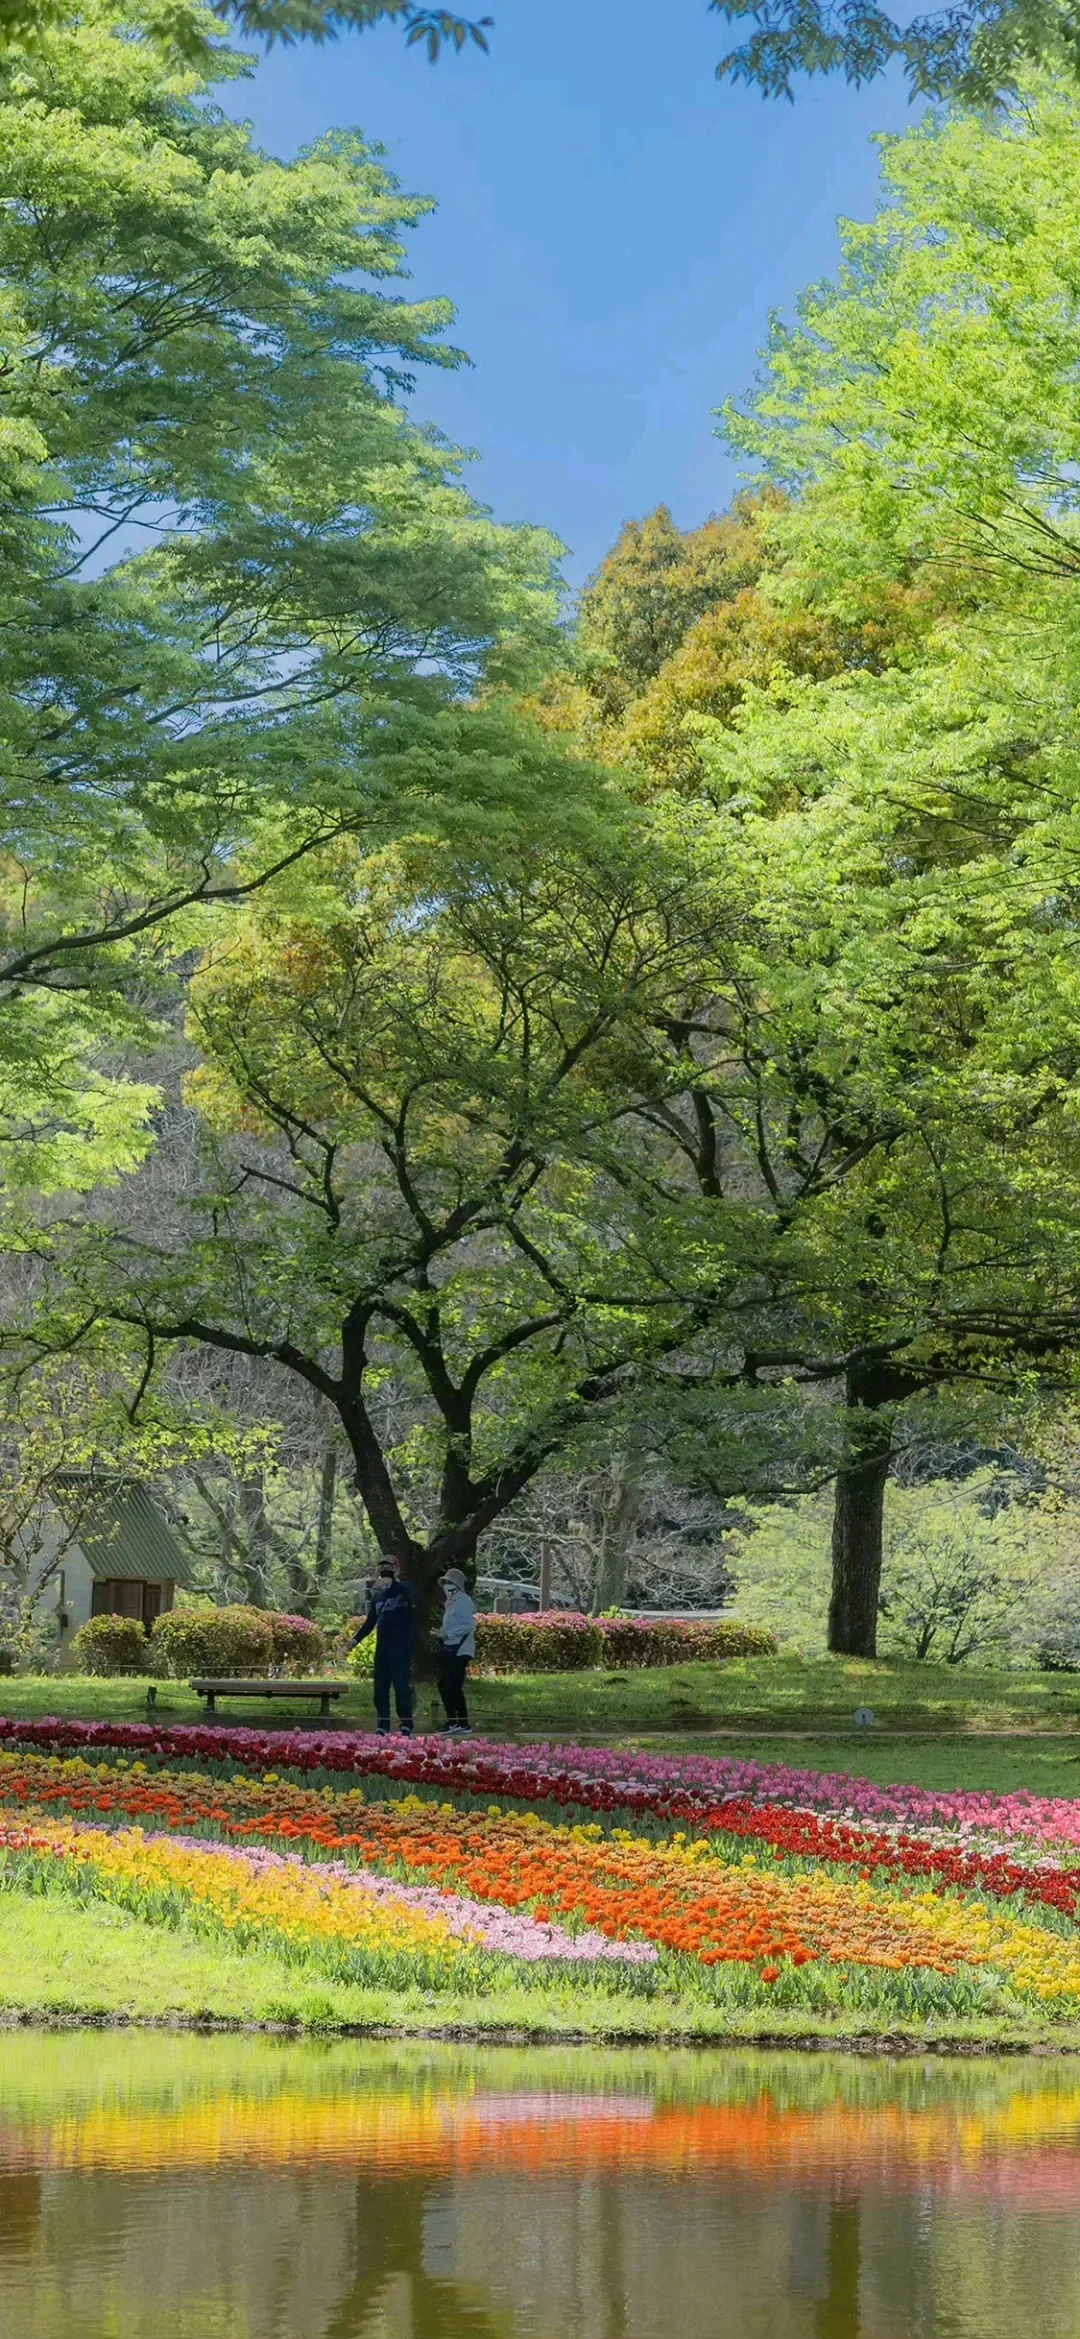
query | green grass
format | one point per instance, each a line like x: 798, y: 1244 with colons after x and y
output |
x: 766, y: 1694
x: 773, y: 1709
x: 63, y: 1962
x: 1000, y: 1766
x: 820, y: 1695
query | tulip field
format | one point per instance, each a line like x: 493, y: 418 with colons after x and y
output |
x: 692, y: 1889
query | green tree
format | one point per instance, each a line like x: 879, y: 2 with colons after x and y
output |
x: 173, y: 23
x: 655, y: 581
x: 416, y: 1196
x: 977, y: 50
x: 922, y: 417
x: 241, y: 589
x: 675, y: 626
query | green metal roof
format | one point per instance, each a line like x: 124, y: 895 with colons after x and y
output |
x: 125, y: 1538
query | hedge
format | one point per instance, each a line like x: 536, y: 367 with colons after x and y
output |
x: 212, y: 1640
x: 299, y: 1645
x: 111, y: 1645
x: 552, y: 1641
x: 560, y: 1641
x: 674, y: 1640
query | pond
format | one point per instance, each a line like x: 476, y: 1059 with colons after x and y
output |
x: 251, y: 2188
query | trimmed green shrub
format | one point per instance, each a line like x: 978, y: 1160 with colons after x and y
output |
x: 556, y: 1641
x: 675, y: 1640
x: 561, y: 1641
x: 110, y: 1645
x: 213, y: 1641
x: 299, y: 1645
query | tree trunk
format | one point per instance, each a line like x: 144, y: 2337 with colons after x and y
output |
x: 252, y: 1513
x: 858, y: 1521
x: 424, y: 1573
x: 613, y: 1566
x: 324, y: 1534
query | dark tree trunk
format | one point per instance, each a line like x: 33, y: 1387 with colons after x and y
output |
x: 324, y: 1536
x: 252, y: 1512
x: 423, y: 1574
x: 858, y: 1520
x: 613, y: 1566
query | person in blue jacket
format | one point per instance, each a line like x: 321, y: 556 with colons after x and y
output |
x: 391, y: 1616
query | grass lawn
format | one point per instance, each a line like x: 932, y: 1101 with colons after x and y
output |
x: 108, y: 1956
x: 61, y: 1962
x: 953, y: 1761
x: 970, y: 1729
x: 766, y: 1695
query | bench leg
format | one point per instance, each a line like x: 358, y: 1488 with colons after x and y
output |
x: 151, y: 1696
x: 211, y: 1705
x: 324, y: 1708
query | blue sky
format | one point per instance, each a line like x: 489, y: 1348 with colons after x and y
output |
x: 614, y: 227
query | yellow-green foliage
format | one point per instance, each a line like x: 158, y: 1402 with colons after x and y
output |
x: 971, y: 1571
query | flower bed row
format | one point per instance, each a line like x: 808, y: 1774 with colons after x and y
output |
x: 361, y: 1926
x: 693, y: 1789
x: 227, y: 1847
x: 787, y: 1832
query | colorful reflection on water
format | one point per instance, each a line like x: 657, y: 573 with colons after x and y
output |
x: 230, y: 2188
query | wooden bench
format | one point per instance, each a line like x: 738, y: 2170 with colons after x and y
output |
x: 272, y: 1686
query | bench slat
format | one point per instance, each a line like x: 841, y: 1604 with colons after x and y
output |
x: 271, y: 1687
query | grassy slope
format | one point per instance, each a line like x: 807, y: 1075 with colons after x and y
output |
x: 1001, y: 1766
x: 61, y: 1962
x: 56, y: 1960
x: 769, y: 1694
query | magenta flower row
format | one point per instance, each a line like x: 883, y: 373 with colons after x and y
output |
x: 684, y: 1787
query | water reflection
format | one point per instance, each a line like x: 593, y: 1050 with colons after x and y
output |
x: 252, y: 2189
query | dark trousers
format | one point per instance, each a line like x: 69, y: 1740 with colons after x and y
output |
x: 451, y: 1679
x: 393, y: 1671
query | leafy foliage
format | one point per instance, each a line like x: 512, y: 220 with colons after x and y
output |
x: 299, y: 1646
x: 214, y: 1641
x: 974, y: 49
x: 558, y: 1642
x: 108, y: 1646
x: 975, y: 1571
x: 561, y: 1641
x: 674, y: 1640
x: 240, y: 588
x: 674, y: 628
x: 174, y: 25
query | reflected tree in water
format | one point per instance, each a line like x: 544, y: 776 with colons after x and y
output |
x: 389, y: 2254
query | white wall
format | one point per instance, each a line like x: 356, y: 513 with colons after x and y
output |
x: 68, y: 1587
x: 71, y: 1590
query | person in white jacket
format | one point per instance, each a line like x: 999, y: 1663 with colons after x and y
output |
x: 457, y: 1643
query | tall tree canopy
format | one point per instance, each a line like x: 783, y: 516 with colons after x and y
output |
x: 240, y: 587
x: 876, y: 721
x: 174, y: 24
x: 679, y: 625
x: 415, y: 1192
x: 922, y: 419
